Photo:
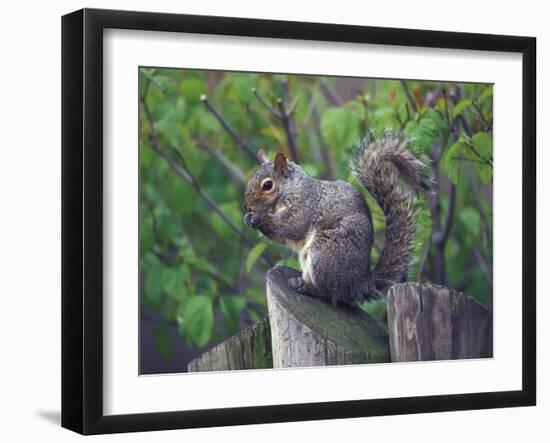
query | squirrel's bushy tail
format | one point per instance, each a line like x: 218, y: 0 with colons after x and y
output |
x: 392, y: 174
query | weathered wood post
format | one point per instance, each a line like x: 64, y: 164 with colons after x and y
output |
x: 249, y: 349
x: 309, y: 332
x: 425, y: 322
x: 429, y: 322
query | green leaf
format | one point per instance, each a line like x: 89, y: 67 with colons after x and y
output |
x: 485, y: 172
x: 451, y: 163
x: 487, y: 92
x: 471, y: 220
x: 382, y: 120
x: 340, y: 127
x: 157, y: 80
x: 154, y: 280
x: 231, y: 307
x: 204, y: 265
x: 163, y: 341
x: 254, y: 254
x: 460, y: 106
x: 292, y: 262
x: 423, y: 132
x: 174, y: 281
x: 192, y: 88
x: 197, y: 319
x: 375, y: 308
x: 146, y: 236
x: 483, y: 144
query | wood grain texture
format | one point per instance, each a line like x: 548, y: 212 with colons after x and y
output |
x: 309, y: 332
x: 249, y: 349
x: 429, y: 322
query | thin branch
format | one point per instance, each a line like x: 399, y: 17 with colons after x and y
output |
x: 461, y: 119
x: 292, y: 106
x: 487, y: 161
x: 290, y: 133
x: 447, y: 114
x: 227, y: 126
x: 288, y: 121
x: 408, y: 111
x: 409, y: 96
x: 331, y: 91
x: 398, y: 118
x: 330, y: 173
x: 264, y: 102
x: 474, y: 160
x: 424, y: 262
x: 234, y: 171
x: 486, y: 123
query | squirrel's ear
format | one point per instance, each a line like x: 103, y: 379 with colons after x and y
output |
x: 281, y: 165
x: 262, y: 158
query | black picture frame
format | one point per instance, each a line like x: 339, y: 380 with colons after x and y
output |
x: 82, y: 220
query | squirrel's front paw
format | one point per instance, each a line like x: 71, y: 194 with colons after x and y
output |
x: 252, y: 219
x: 298, y: 284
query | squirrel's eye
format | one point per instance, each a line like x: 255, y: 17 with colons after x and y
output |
x: 267, y: 185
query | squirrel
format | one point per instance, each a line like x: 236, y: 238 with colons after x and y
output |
x: 329, y: 223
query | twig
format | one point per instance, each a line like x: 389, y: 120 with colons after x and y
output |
x: 333, y: 94
x: 409, y: 96
x: 424, y: 262
x: 289, y: 131
x: 487, y: 161
x: 227, y: 126
x: 292, y: 106
x: 462, y: 120
x: 330, y: 173
x: 444, y: 92
x: 474, y: 160
x: 234, y: 171
x: 469, y: 132
x: 264, y: 102
x: 477, y: 107
x: 288, y: 121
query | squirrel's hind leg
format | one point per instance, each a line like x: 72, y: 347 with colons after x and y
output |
x: 303, y: 287
x: 298, y: 284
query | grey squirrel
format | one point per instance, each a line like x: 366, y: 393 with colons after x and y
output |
x: 329, y: 224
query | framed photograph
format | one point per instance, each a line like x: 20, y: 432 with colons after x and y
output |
x: 270, y: 221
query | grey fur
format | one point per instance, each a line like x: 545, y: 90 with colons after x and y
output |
x: 330, y: 225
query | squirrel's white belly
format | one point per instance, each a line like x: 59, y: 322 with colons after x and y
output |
x: 305, y: 259
x: 302, y: 248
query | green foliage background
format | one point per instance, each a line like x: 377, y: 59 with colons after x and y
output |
x: 201, y: 275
